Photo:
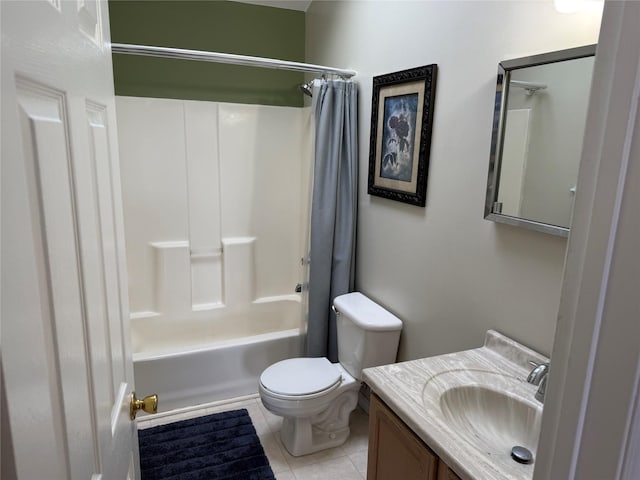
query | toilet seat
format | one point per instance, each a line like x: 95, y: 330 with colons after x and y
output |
x: 300, y: 378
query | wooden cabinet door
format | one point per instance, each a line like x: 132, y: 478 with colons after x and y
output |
x: 445, y: 473
x: 394, y: 450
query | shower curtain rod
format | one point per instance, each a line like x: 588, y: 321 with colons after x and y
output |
x: 202, y: 56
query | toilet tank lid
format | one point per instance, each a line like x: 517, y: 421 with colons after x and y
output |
x: 365, y: 313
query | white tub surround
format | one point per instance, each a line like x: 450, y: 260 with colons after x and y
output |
x: 173, y: 278
x: 239, y: 271
x: 413, y: 390
x: 216, y: 204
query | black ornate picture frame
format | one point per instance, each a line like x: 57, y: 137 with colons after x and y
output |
x: 401, y: 123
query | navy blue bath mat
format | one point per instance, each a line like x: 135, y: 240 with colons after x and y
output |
x: 223, y: 446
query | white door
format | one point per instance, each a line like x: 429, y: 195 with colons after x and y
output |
x: 65, y: 348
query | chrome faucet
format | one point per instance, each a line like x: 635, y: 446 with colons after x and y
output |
x: 538, y: 377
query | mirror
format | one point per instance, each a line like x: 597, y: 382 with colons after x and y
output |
x: 538, y: 127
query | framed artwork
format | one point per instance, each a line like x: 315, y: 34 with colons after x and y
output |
x: 401, y: 121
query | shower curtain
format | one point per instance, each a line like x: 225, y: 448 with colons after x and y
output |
x: 333, y: 210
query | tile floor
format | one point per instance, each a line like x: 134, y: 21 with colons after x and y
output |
x: 346, y: 462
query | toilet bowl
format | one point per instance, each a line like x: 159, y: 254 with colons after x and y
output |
x: 316, y: 397
x: 315, y: 416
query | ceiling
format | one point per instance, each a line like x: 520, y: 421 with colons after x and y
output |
x: 301, y: 5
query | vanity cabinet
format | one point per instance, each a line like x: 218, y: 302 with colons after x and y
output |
x: 396, y: 452
x: 445, y: 473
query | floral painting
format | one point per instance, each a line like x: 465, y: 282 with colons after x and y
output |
x: 401, y: 124
x: 397, y: 142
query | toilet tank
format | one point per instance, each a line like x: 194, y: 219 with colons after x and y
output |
x: 368, y: 335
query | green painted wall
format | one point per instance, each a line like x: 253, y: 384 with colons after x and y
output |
x: 218, y: 26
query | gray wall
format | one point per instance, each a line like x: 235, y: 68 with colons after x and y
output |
x: 447, y: 272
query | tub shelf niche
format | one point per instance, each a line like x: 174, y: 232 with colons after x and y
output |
x: 197, y: 284
x: 239, y: 271
x: 206, y: 278
x: 173, y: 277
x: 197, y: 280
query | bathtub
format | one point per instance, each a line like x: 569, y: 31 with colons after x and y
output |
x: 215, y: 357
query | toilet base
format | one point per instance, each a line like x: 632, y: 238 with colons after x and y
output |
x: 327, y: 429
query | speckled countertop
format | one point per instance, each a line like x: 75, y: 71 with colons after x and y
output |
x: 412, y: 390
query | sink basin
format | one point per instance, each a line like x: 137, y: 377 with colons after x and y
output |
x: 493, y: 421
x: 491, y: 411
x: 470, y: 407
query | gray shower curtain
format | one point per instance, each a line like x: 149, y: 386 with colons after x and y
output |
x: 333, y: 210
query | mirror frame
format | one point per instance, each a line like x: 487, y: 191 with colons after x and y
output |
x: 497, y: 136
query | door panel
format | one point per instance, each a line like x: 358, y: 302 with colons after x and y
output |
x: 44, y: 133
x: 65, y: 353
x: 101, y: 158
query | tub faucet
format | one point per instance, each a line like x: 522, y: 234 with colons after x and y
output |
x: 538, y: 377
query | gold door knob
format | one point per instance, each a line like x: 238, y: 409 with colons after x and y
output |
x: 149, y: 404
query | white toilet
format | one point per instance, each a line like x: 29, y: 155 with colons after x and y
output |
x: 314, y: 396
